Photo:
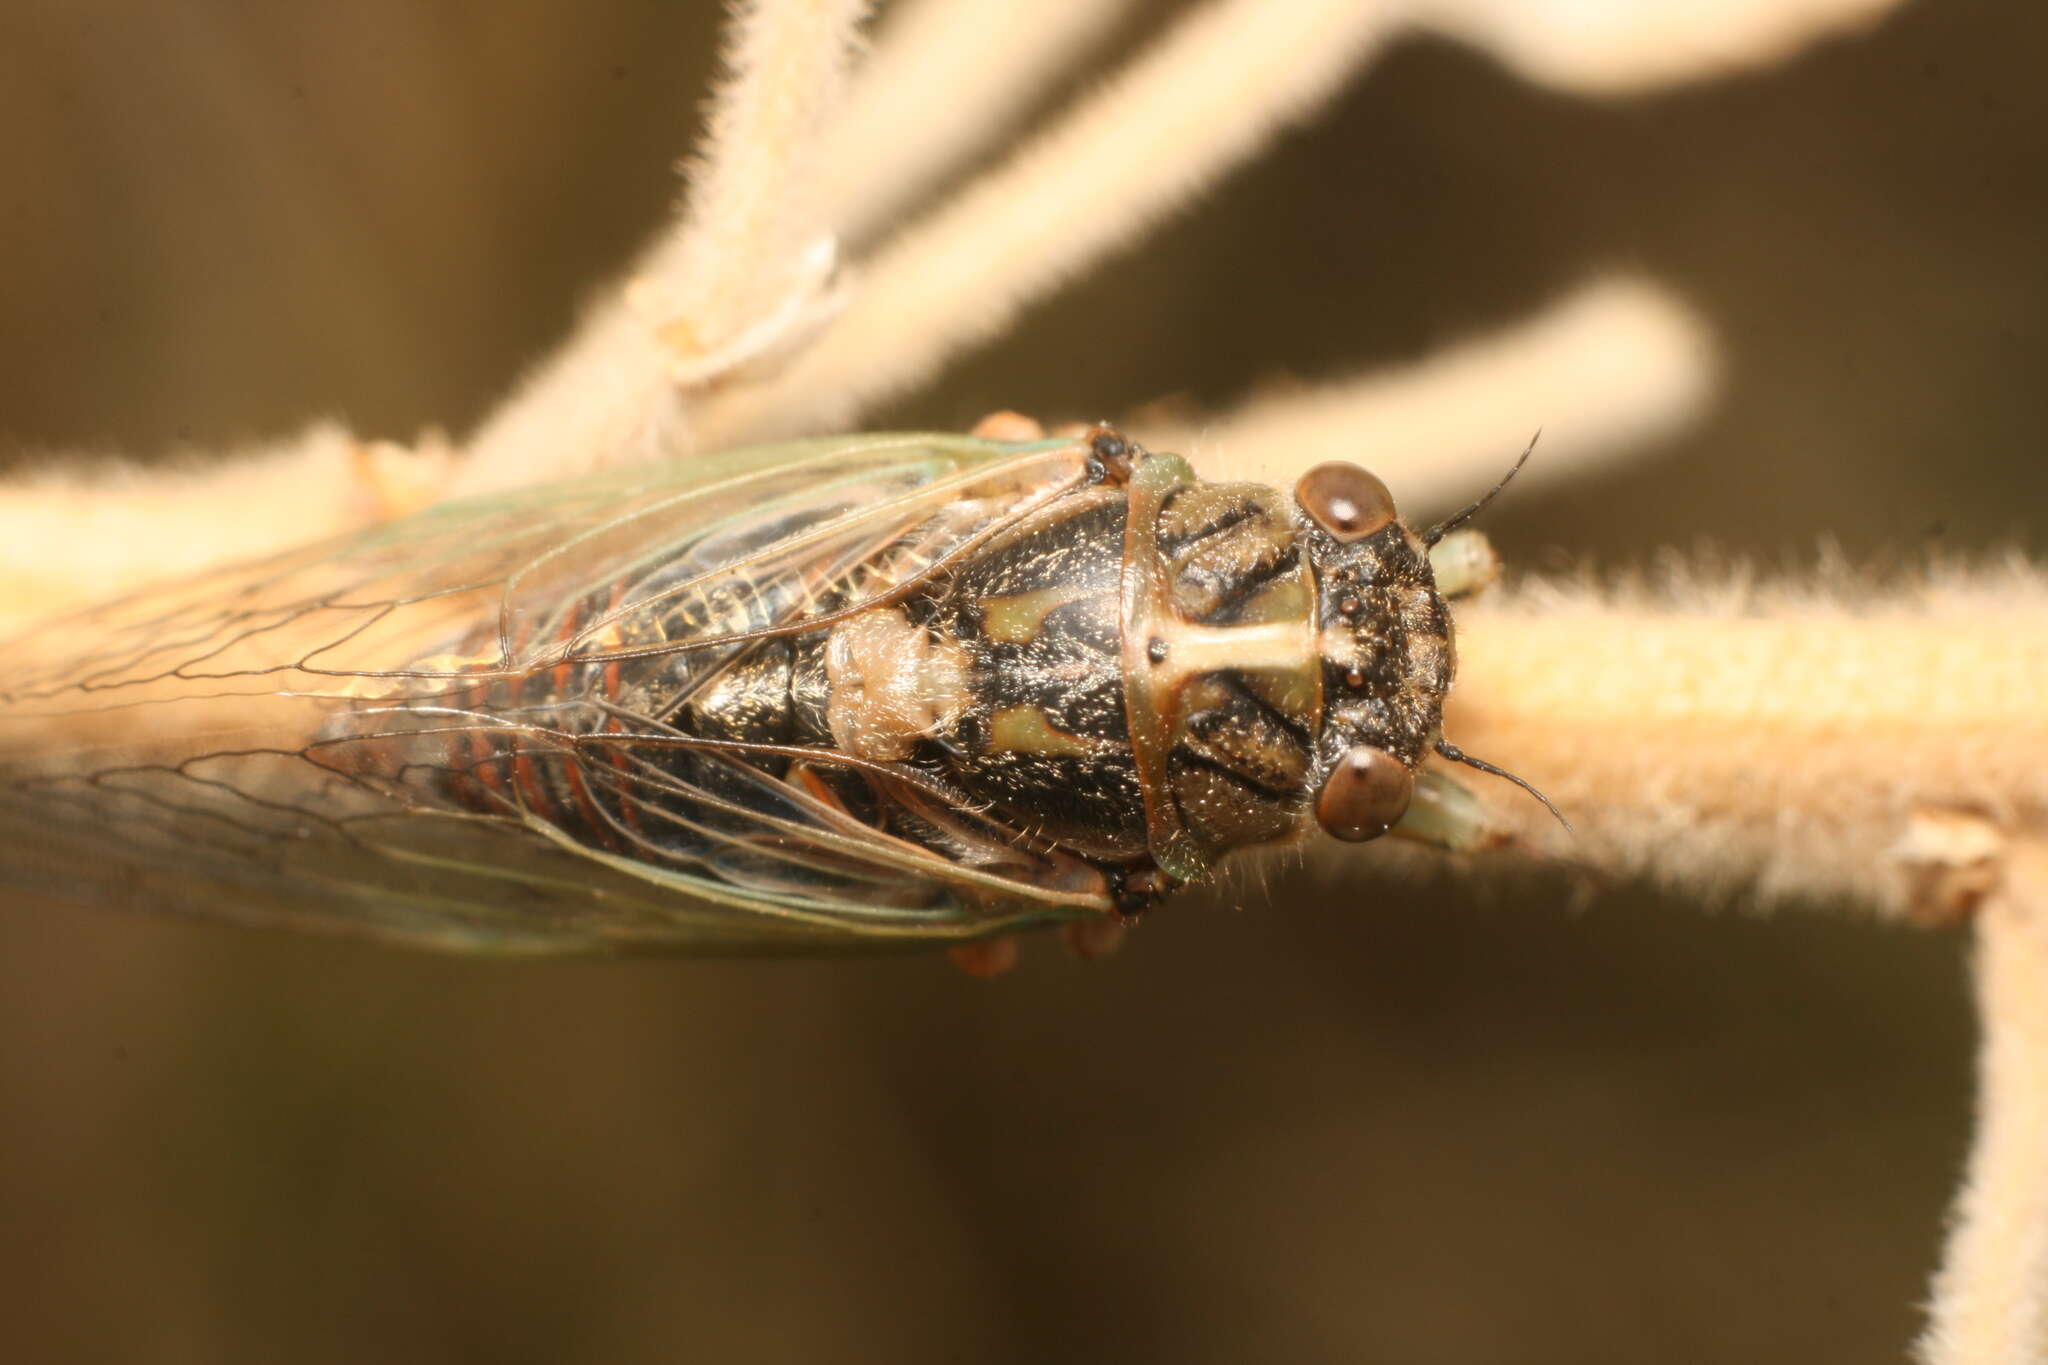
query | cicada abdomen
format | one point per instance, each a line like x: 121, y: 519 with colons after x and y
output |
x: 837, y: 693
x: 680, y: 716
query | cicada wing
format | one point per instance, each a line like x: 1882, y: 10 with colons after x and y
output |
x: 451, y: 729
x: 161, y: 840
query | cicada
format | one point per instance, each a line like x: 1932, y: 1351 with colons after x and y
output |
x: 849, y: 692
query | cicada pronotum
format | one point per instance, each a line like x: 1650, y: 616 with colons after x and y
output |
x: 837, y: 693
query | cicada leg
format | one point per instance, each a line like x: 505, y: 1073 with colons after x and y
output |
x: 1008, y: 426
x: 397, y: 480
x: 1115, y: 456
x: 986, y: 958
x: 1089, y: 939
x: 1086, y: 939
x: 1137, y: 887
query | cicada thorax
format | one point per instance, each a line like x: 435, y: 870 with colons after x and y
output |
x: 1076, y: 662
x: 1133, y: 672
x: 1222, y: 650
x: 1003, y: 681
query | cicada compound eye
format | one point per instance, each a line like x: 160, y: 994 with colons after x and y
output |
x: 1365, y: 795
x: 1349, y: 502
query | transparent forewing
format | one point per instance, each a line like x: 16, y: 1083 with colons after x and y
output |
x: 463, y: 728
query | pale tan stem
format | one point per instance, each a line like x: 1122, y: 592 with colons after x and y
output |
x: 1610, y: 367
x: 753, y: 205
x: 1777, y: 741
x: 1620, y: 46
x: 742, y: 253
x: 1198, y: 103
x: 944, y: 79
x: 1991, y: 1295
x: 86, y: 531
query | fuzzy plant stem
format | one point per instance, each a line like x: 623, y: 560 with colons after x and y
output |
x: 742, y: 252
x: 1198, y: 103
x: 1811, y: 741
x: 1611, y: 366
x: 943, y: 81
x: 1991, y: 1296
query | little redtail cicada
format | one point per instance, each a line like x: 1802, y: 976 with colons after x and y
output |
x: 836, y: 693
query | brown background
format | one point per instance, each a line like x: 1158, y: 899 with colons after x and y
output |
x: 1357, y: 1119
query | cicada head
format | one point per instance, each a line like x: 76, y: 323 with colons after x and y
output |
x: 1288, y: 659
x: 1384, y: 634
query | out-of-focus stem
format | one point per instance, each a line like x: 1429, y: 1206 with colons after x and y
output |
x: 1613, y: 47
x: 1611, y: 366
x: 739, y: 254
x: 1991, y: 1296
x: 74, y: 535
x: 942, y: 81
x: 1196, y: 104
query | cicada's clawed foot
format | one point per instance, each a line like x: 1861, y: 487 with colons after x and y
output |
x: 1136, y: 889
x: 1009, y: 426
x: 1140, y: 887
x: 394, y: 480
x: 1089, y: 939
x: 1953, y: 860
x: 986, y: 958
x: 1115, y: 456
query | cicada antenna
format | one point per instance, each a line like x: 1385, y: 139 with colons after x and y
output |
x: 1457, y: 755
x: 1444, y: 528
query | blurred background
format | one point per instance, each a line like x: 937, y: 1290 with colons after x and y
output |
x: 1317, y: 1116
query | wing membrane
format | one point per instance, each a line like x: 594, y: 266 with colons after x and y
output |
x: 457, y: 730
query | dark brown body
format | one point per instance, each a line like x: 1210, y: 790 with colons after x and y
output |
x: 1146, y: 673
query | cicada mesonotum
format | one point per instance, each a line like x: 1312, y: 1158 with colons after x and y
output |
x: 833, y: 693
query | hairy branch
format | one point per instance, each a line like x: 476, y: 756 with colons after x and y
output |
x: 75, y: 534
x: 1991, y: 1297
x: 1843, y: 740
x: 1197, y: 104
x: 750, y: 253
x: 1611, y: 367
x: 1621, y: 46
x: 1727, y: 737
x: 945, y: 77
